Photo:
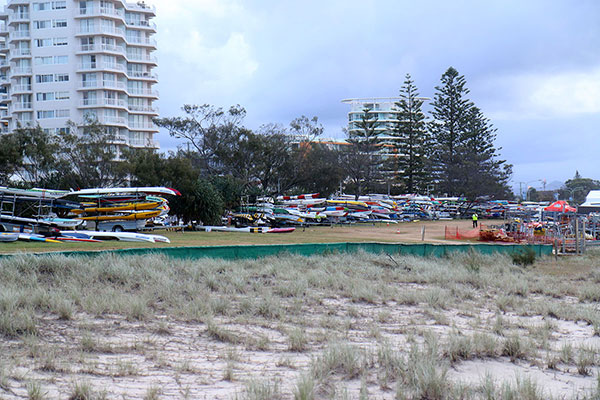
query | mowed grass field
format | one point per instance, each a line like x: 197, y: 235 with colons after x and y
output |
x: 408, y: 232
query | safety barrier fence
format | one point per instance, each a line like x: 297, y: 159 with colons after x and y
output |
x: 259, y: 251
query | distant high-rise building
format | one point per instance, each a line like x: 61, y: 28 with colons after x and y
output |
x: 74, y: 60
x: 381, y: 108
x: 384, y: 110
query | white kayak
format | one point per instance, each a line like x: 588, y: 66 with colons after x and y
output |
x: 131, y: 190
x: 121, y: 236
x: 64, y: 222
x: 9, y: 237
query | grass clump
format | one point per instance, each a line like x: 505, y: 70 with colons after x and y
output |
x: 153, y: 393
x: 339, y: 359
x: 523, y: 257
x: 34, y: 391
x: 17, y: 322
x: 81, y: 391
x: 297, y: 340
x: 221, y: 334
x: 305, y: 388
x: 261, y: 390
x: 514, y: 348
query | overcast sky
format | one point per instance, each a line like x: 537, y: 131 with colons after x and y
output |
x: 533, y: 66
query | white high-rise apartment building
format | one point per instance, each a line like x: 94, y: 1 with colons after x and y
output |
x: 71, y: 60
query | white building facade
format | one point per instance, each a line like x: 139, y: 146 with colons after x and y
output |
x: 382, y: 108
x: 73, y: 60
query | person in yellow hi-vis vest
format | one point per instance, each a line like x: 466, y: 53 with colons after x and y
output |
x: 475, y: 220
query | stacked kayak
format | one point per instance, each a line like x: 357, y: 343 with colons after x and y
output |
x: 121, y: 204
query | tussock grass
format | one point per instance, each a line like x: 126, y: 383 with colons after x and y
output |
x: 261, y: 390
x: 516, y: 348
x: 297, y: 340
x: 82, y: 391
x: 153, y: 393
x: 342, y: 359
x: 16, y: 322
x: 305, y: 388
x: 221, y: 334
x: 35, y: 391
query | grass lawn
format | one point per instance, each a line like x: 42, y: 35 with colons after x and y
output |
x: 408, y: 232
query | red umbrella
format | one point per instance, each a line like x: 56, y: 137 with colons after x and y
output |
x: 560, y: 206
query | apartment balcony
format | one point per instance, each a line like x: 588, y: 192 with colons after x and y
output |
x: 134, y: 109
x: 143, y: 93
x: 4, y: 97
x: 23, y: 106
x: 4, y: 47
x: 4, y: 64
x: 4, y: 114
x: 100, y: 30
x: 140, y: 41
x: 143, y: 58
x: 87, y: 85
x: 20, y: 53
x: 143, y: 24
x: 142, y: 127
x: 141, y: 7
x: 21, y: 71
x: 100, y: 66
x: 142, y: 76
x: 144, y: 143
x: 104, y: 120
x: 17, y: 2
x: 21, y: 89
x: 102, y: 48
x: 103, y: 102
x: 19, y: 35
x: 100, y: 12
x: 4, y: 80
x: 18, y: 17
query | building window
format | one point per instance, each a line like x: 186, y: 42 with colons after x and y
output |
x: 44, y: 78
x: 59, y: 23
x: 43, y: 42
x: 59, y: 5
x: 45, y: 114
x: 61, y: 78
x: 60, y: 41
x: 62, y: 113
x: 45, y: 96
x: 44, y: 60
x: 41, y: 24
x: 63, y: 96
x: 42, y: 6
x: 49, y: 60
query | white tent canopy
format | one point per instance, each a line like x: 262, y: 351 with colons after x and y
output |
x: 592, y: 199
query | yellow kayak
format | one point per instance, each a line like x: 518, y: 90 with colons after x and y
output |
x: 126, y: 217
x: 348, y: 203
x: 118, y: 207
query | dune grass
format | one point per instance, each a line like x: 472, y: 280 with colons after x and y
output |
x: 331, y: 326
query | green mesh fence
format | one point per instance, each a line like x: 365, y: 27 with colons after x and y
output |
x: 259, y: 251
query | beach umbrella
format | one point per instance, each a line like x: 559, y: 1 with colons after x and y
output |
x: 560, y: 206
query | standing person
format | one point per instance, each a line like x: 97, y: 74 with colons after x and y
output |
x: 475, y: 220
